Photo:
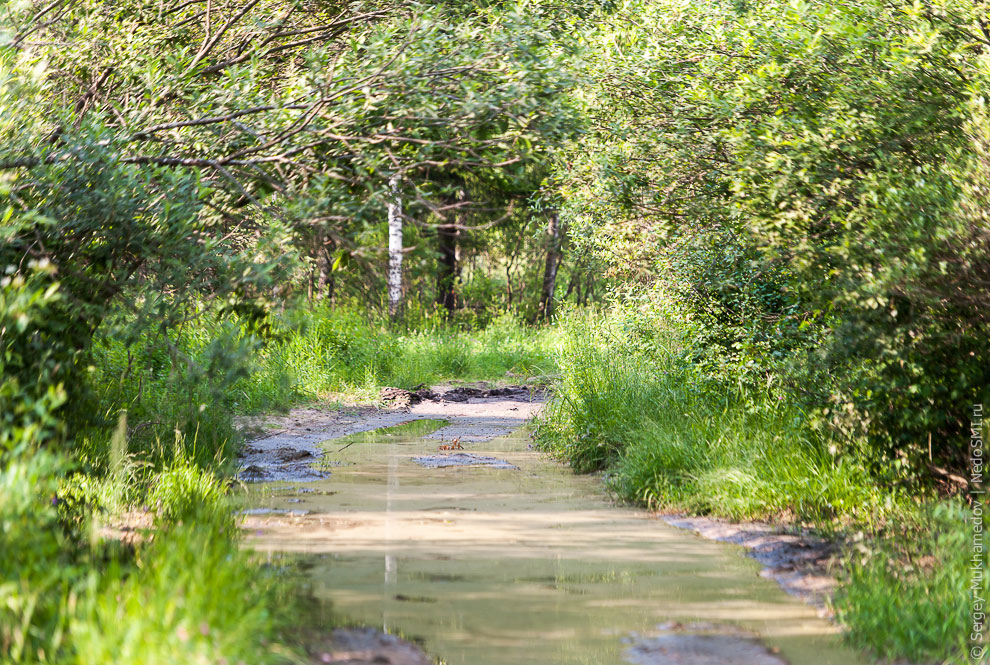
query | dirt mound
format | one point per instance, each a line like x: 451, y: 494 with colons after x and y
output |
x: 462, y: 459
x: 364, y: 646
x: 397, y: 397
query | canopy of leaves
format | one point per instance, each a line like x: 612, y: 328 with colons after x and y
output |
x: 803, y: 178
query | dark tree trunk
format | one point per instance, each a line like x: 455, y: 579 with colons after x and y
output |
x: 572, y: 281
x: 324, y: 267
x: 545, y: 309
x: 448, y: 267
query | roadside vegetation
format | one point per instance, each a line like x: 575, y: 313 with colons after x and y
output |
x: 187, y: 241
x: 633, y: 403
x: 789, y: 197
x: 161, y: 444
x: 748, y: 240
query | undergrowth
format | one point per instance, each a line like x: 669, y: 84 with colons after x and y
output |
x: 153, y: 430
x: 668, y: 434
x: 908, y: 592
x: 322, y: 351
x: 670, y: 437
x: 217, y: 367
x: 185, y: 592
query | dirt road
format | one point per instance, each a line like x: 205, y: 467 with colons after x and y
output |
x: 455, y: 534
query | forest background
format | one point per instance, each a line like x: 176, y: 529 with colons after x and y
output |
x: 746, y: 243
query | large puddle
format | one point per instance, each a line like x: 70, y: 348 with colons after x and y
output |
x: 502, y: 566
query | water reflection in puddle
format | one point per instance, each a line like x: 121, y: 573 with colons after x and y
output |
x: 490, y: 566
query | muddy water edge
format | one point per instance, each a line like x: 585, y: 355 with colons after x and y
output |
x: 522, y: 562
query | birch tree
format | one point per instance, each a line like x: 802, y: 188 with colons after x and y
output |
x: 394, y: 249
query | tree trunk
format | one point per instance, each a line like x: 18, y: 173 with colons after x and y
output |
x: 448, y: 266
x: 394, y: 249
x: 324, y: 266
x: 545, y: 310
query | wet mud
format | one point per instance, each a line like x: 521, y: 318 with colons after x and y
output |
x: 801, y: 563
x: 532, y: 564
x: 461, y: 459
x: 287, y: 448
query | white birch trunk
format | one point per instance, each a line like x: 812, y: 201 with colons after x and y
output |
x: 394, y: 249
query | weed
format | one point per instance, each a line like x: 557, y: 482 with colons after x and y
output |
x: 909, y: 591
x: 191, y: 597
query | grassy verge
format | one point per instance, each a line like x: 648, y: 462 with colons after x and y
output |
x: 324, y: 351
x: 183, y: 593
x: 670, y: 436
x: 152, y: 430
x: 215, y: 368
x: 907, y: 594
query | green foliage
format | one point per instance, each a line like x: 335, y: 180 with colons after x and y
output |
x: 314, y: 353
x: 30, y: 391
x: 801, y: 178
x: 183, y: 380
x: 66, y: 595
x: 192, y: 596
x: 909, y: 593
x: 185, y: 493
x: 245, y: 132
x: 128, y: 247
x: 669, y: 437
x: 37, y: 563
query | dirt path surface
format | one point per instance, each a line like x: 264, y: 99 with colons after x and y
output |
x: 285, y: 448
x: 462, y: 538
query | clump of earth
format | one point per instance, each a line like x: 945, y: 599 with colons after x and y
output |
x: 700, y: 644
x: 462, y: 459
x: 365, y: 646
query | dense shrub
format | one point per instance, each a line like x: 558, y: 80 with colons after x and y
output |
x: 37, y: 561
x: 806, y: 182
x: 669, y: 436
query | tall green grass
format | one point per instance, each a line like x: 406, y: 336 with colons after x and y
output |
x: 321, y: 351
x: 669, y: 437
x: 186, y: 592
x: 908, y: 593
x: 216, y: 367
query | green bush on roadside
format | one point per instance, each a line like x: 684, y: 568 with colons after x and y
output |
x: 38, y: 563
x: 187, y: 494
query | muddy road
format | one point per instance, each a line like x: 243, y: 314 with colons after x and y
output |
x: 453, y: 533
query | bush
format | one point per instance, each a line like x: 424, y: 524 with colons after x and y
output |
x: 37, y: 561
x: 807, y: 184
